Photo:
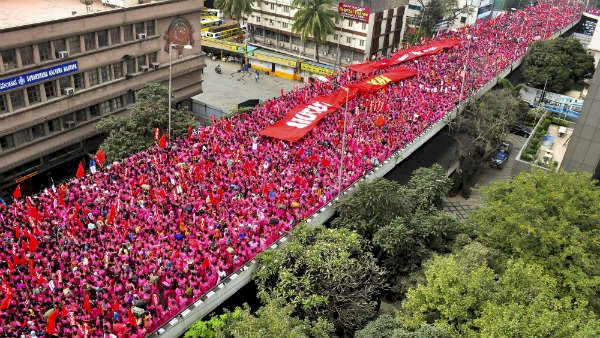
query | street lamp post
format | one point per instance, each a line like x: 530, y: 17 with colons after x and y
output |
x: 171, y: 45
x: 343, y: 142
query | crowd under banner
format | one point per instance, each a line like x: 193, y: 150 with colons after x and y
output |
x: 404, y: 55
x: 304, y: 118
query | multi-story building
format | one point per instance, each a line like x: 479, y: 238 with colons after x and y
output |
x: 365, y: 28
x: 65, y: 65
x: 473, y: 10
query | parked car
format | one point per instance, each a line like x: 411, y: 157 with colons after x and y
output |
x: 500, y: 156
x: 520, y: 130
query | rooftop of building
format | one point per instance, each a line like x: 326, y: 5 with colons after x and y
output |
x: 16, y: 13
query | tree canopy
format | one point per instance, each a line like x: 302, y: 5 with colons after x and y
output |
x: 437, y: 12
x: 550, y: 219
x: 314, y: 18
x: 235, y: 8
x: 135, y: 133
x: 465, y: 297
x: 561, y: 62
x: 322, y: 273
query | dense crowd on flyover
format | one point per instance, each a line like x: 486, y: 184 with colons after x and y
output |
x: 123, y: 250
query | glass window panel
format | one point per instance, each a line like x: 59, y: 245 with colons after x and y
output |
x: 89, y: 40
x: 115, y: 36
x: 7, y: 142
x: 68, y: 121
x: 150, y: 28
x: 74, y: 45
x: 9, y: 59
x: 59, y: 46
x: 139, y: 28
x: 81, y: 115
x: 94, y: 111
x: 17, y: 99
x: 64, y: 83
x: 50, y: 89
x: 118, y: 70
x: 33, y: 94
x: 105, y: 72
x: 45, y: 51
x: 54, y: 125
x: 103, y: 38
x: 128, y: 32
x: 141, y: 62
x: 22, y: 136
x: 78, y: 81
x: 38, y: 131
x: 3, y: 104
x: 93, y: 77
x: 26, y: 55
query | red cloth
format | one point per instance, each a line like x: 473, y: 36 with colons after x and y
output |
x: 163, y: 141
x: 80, y: 171
x: 51, y: 326
x: 86, y: 304
x: 17, y: 192
x: 131, y: 318
x: 100, y: 157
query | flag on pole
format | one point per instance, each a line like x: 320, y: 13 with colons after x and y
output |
x: 17, y: 192
x: 163, y: 141
x: 156, y: 134
x: 80, y: 171
x: 100, y: 157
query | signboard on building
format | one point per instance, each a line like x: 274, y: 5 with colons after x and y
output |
x: 354, y: 12
x: 37, y: 76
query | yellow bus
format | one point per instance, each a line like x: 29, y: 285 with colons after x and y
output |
x: 224, y: 34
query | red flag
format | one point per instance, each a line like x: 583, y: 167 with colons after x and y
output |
x: 380, y: 122
x: 131, y: 318
x: 190, y: 130
x: 86, y: 303
x: 80, y: 171
x: 5, y: 302
x: 51, y: 327
x: 205, y: 263
x: 163, y: 141
x: 325, y: 162
x: 110, y: 218
x: 17, y: 192
x: 33, y: 243
x: 100, y: 157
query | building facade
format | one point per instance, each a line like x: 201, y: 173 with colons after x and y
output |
x: 59, y: 77
x: 365, y: 28
x: 583, y: 150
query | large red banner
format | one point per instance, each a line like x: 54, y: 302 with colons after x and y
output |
x: 304, y: 118
x: 355, y: 12
x: 404, y: 55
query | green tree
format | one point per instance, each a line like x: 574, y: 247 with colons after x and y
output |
x: 550, y: 219
x: 276, y: 321
x: 323, y: 273
x: 217, y: 326
x: 235, y: 8
x: 387, y: 326
x: 558, y: 63
x: 437, y: 12
x: 314, y: 18
x: 136, y: 133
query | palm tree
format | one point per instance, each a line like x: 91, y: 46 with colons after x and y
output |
x: 314, y: 18
x: 235, y: 8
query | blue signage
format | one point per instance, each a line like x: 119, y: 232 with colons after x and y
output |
x: 37, y: 76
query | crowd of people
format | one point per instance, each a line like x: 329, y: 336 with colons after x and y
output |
x: 121, y: 251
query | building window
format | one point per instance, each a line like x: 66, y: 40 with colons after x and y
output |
x: 78, y: 81
x: 152, y: 57
x: 362, y: 42
x: 50, y: 89
x: 68, y: 121
x: 130, y: 65
x: 64, y: 83
x: 45, y: 51
x: 118, y: 70
x: 150, y: 28
x: 141, y: 63
x: 115, y: 36
x: 463, y: 19
x: 272, y: 7
x: 128, y: 33
x: 286, y: 9
x: 118, y: 103
x: 335, y: 37
x: 93, y: 77
x: 33, y: 94
x: 104, y: 107
x: 38, y: 131
x: 7, y: 142
x: 105, y: 73
x: 3, y: 105
x: 89, y: 41
x: 21, y: 137
x: 349, y: 23
x: 59, y: 46
x: 81, y: 115
x: 284, y: 24
x: 53, y: 126
x: 139, y: 28
x: 364, y: 26
x: 257, y: 19
x: 74, y: 45
x: 129, y: 98
x: 103, y: 38
x: 26, y: 55
x: 94, y: 111
x: 16, y: 99
x: 349, y: 40
x: 9, y: 59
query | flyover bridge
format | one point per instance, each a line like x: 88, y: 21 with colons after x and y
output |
x: 235, y: 281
